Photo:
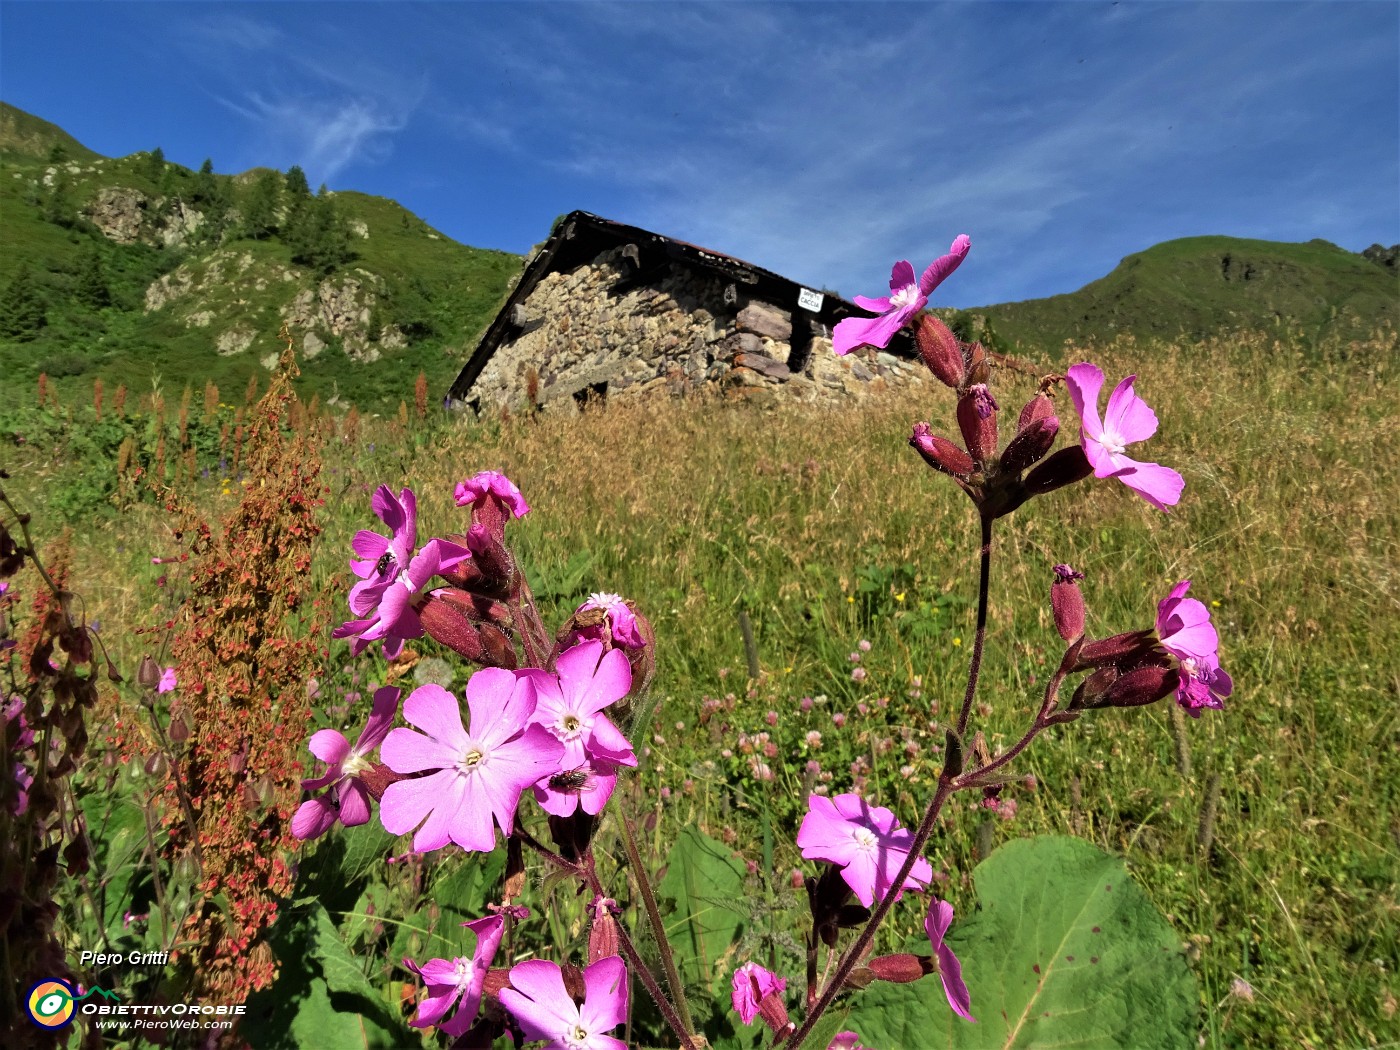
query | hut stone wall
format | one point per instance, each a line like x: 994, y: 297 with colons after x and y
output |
x: 585, y: 333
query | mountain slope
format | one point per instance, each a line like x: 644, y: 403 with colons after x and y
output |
x: 1198, y: 286
x: 132, y: 269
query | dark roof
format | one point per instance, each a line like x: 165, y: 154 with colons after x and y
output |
x: 580, y: 237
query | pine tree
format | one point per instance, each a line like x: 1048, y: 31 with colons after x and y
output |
x: 321, y: 239
x: 155, y: 165
x: 260, y: 210
x: 206, y: 187
x: 58, y: 206
x: 90, y: 287
x: 297, y: 187
x: 21, y: 307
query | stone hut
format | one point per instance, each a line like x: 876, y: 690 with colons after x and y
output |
x: 603, y: 310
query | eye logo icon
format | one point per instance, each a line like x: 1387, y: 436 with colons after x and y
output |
x: 50, y: 1004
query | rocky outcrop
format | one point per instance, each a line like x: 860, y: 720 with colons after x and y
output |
x: 128, y: 216
x: 1386, y: 258
x: 593, y: 332
x: 342, y: 307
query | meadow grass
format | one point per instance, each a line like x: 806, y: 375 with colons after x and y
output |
x: 824, y: 528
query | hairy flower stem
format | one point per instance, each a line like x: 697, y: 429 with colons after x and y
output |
x: 946, y: 786
x: 658, y: 929
x: 983, y: 590
x: 1044, y: 720
x: 640, y: 969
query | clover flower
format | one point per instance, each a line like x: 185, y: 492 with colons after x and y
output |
x: 478, y: 774
x: 940, y: 917
x: 459, y: 978
x: 865, y: 841
x: 542, y: 1006
x: 1126, y: 421
x: 1185, y: 631
x: 569, y: 705
x: 315, y: 816
x: 906, y: 299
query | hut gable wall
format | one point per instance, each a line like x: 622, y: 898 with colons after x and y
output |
x: 606, y: 310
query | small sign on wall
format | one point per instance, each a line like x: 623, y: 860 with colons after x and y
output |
x: 810, y: 300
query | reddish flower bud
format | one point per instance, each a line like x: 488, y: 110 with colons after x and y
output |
x: 977, y: 419
x: 938, y: 346
x: 1065, y: 467
x: 1038, y: 407
x: 494, y: 560
x: 444, y: 618
x: 498, y: 648
x: 1128, y: 649
x: 148, y: 674
x: 940, y: 453
x: 978, y: 370
x: 1029, y: 446
x: 1146, y: 685
x: 1067, y: 603
x: 602, y: 938
x: 903, y: 968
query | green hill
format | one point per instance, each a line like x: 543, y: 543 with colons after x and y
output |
x: 1200, y: 286
x: 135, y: 270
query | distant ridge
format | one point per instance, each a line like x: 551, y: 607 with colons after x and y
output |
x: 1200, y: 286
x: 25, y: 135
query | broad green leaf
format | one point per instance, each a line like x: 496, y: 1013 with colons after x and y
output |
x: 1064, y: 951
x: 707, y: 887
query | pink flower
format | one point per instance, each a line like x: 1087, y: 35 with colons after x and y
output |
x: 756, y: 992
x: 845, y: 1041
x: 1184, y: 630
x: 569, y: 705
x: 1127, y: 420
x: 167, y: 681
x: 543, y: 1008
x: 315, y: 816
x: 866, y: 841
x: 450, y: 980
x: 490, y: 484
x: 621, y: 621
x: 940, y: 917
x: 392, y: 576
x: 905, y: 299
x: 479, y: 773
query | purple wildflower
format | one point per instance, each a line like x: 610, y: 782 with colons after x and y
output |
x: 940, y: 917
x: 459, y: 978
x: 345, y: 764
x: 906, y: 299
x: 1184, y: 630
x: 543, y: 1008
x: 865, y: 841
x: 1126, y: 421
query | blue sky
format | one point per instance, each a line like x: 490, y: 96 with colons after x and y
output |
x: 821, y: 140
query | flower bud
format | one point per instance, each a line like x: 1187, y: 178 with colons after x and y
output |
x: 978, y: 370
x: 1038, y: 407
x: 1128, y: 649
x: 179, y: 728
x: 977, y: 419
x: 1029, y: 445
x: 1065, y: 467
x: 157, y: 766
x: 940, y: 453
x: 1146, y: 685
x: 494, y: 560
x: 497, y: 646
x: 1067, y: 603
x: 148, y: 674
x: 602, y: 937
x: 903, y: 968
x: 938, y: 346
x: 444, y: 618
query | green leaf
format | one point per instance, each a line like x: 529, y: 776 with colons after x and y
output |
x: 707, y: 886
x: 1064, y: 951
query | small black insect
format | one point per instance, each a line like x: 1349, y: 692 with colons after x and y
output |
x: 571, y: 781
x: 384, y: 562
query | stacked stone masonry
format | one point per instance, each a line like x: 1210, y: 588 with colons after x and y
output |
x: 585, y: 333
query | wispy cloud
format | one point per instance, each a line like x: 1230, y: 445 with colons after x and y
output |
x: 325, y: 135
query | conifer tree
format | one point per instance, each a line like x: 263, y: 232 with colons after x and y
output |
x: 21, y: 307
x: 90, y: 287
x: 155, y: 165
x: 260, y: 209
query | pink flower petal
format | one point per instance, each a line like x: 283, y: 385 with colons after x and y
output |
x: 605, y: 1002
x: 901, y: 275
x: 436, y: 711
x: 329, y: 746
x: 1160, y: 486
x: 354, y: 804
x: 381, y: 718
x: 538, y: 1000
x: 1128, y: 415
x: 313, y: 818
x: 1084, y: 381
x: 941, y: 268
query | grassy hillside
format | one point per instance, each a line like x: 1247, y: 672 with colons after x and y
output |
x: 826, y: 528
x: 414, y: 299
x: 1199, y: 286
